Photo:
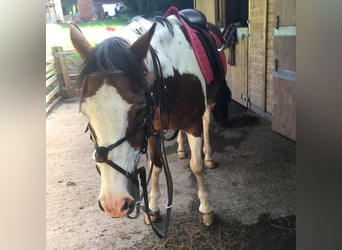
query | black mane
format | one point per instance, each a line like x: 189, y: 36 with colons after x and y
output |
x: 165, y: 22
x: 112, y: 54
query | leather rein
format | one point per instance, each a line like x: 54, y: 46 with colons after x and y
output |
x: 101, y: 152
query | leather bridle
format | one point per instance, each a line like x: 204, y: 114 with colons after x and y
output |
x: 101, y: 152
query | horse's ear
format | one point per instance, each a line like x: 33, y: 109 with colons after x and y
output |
x: 79, y: 41
x: 140, y: 47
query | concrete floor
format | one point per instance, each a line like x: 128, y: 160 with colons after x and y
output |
x: 256, y: 175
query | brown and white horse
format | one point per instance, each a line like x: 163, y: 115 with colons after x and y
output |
x: 147, y: 70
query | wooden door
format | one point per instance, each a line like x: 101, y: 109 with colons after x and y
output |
x: 284, y: 74
x: 237, y: 75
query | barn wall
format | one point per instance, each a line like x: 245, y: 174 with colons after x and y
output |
x: 261, y: 56
x: 270, y: 56
x: 259, y: 50
x: 208, y: 9
x: 236, y: 76
x: 255, y: 81
x: 257, y: 53
x: 284, y: 75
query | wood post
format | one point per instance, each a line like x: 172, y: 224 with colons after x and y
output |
x: 62, y: 71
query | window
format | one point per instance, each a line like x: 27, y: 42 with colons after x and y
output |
x: 237, y: 12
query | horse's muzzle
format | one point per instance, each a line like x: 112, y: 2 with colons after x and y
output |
x: 119, y: 208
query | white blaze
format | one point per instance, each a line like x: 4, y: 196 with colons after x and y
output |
x: 108, y: 115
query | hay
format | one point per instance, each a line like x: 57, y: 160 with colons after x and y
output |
x: 186, y: 232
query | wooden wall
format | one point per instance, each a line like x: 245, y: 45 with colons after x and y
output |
x: 257, y: 84
x: 284, y: 75
x: 261, y: 56
x: 270, y: 56
x: 269, y: 91
x: 208, y: 8
x: 257, y: 52
x: 237, y: 75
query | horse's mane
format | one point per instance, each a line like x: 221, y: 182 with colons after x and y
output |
x: 165, y: 22
x: 158, y: 19
x: 111, y: 55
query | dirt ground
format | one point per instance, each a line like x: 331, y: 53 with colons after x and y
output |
x: 253, y: 190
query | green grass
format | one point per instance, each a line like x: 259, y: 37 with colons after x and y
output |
x: 100, y: 23
x: 95, y: 32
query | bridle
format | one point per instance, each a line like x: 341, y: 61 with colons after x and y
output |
x: 101, y: 152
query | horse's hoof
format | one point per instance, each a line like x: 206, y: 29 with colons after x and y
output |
x: 155, y: 217
x: 181, y: 154
x: 207, y: 218
x: 209, y: 164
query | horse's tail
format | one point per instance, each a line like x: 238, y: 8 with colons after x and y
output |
x: 222, y: 98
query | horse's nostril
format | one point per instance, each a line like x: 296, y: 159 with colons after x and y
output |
x: 126, y: 205
x: 98, y: 170
x: 100, y: 206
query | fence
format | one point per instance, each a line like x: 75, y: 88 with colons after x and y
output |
x: 53, y: 87
x: 61, y: 74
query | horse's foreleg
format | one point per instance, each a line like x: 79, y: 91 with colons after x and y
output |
x: 181, y: 153
x: 154, y: 148
x: 196, y: 165
x: 208, y: 159
x: 154, y: 196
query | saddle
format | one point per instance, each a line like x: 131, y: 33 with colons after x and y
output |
x: 205, y: 41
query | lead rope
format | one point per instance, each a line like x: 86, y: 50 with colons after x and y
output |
x: 162, y: 108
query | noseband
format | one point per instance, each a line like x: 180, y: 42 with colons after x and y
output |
x: 101, y: 153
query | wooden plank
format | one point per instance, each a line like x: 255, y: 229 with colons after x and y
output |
x: 51, y: 80
x: 64, y: 74
x: 270, y: 56
x: 49, y: 107
x: 284, y: 77
x: 52, y: 93
x: 65, y: 52
x: 286, y: 10
x: 284, y: 109
x: 208, y: 9
x: 73, y: 76
x: 257, y: 52
x: 49, y: 67
x: 50, y: 73
x: 285, y: 52
x: 237, y: 74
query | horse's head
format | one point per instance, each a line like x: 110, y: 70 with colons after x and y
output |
x: 113, y: 101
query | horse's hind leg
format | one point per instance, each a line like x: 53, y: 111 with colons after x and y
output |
x: 196, y: 165
x: 208, y: 159
x: 181, y: 153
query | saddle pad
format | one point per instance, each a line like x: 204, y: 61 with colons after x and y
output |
x: 196, y: 44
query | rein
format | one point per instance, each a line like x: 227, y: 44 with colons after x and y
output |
x: 101, y: 152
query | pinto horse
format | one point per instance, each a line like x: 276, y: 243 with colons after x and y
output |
x: 135, y: 84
